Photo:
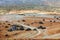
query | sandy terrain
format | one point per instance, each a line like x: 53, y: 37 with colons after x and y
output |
x: 51, y: 24
x: 31, y: 11
x: 27, y: 11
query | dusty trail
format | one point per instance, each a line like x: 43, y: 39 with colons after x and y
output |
x: 34, y: 34
x: 10, y: 17
x: 52, y: 36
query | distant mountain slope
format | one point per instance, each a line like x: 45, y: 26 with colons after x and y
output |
x: 35, y: 2
x: 29, y: 3
x: 55, y: 3
x: 21, y: 2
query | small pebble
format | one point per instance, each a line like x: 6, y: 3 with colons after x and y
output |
x: 13, y: 28
x: 41, y: 23
x: 43, y: 19
x: 41, y: 27
x: 28, y: 29
x: 35, y: 29
x: 50, y: 21
x: 21, y: 28
x: 7, y: 35
x: 6, y: 26
x: 10, y: 30
x: 23, y: 20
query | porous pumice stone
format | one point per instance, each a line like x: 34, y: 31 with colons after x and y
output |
x: 45, y: 26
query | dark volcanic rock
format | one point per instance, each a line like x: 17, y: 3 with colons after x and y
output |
x: 28, y: 29
x: 41, y: 27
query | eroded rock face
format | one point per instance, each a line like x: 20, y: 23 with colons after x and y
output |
x: 29, y: 26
